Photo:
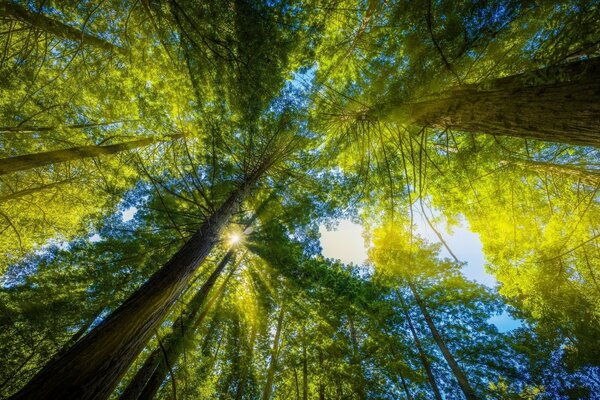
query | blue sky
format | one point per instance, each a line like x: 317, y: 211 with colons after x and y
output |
x: 347, y: 244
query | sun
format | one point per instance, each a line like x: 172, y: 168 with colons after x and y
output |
x: 234, y: 239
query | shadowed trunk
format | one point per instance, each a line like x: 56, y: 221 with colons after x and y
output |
x: 422, y: 355
x: 556, y: 104
x: 30, y: 161
x: 52, y: 26
x: 92, y: 367
x: 153, y: 373
x: 405, y: 387
x: 460, y: 376
x: 179, y: 330
x: 274, y: 355
x: 151, y: 376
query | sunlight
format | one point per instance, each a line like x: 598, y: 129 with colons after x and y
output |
x: 234, y: 239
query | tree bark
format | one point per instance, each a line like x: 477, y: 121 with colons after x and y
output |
x: 92, y: 367
x: 274, y: 355
x: 556, y: 104
x: 39, y: 21
x: 153, y: 373
x: 422, y: 355
x: 36, y: 160
x: 460, y: 376
x: 176, y: 337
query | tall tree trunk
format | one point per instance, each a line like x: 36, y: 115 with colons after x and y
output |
x: 296, y: 384
x: 274, y: 355
x: 405, y: 387
x: 556, y: 104
x: 239, y: 393
x: 460, y: 376
x: 34, y: 129
x: 321, y: 373
x: 92, y: 368
x: 25, y: 192
x: 362, y: 388
x: 52, y: 26
x: 422, y: 355
x: 30, y: 161
x: 585, y: 176
x: 179, y: 330
x: 304, y: 374
x: 185, y: 328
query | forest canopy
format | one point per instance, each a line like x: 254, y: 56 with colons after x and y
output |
x: 167, y: 166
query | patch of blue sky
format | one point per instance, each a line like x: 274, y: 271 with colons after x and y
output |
x: 346, y: 243
x: 128, y: 214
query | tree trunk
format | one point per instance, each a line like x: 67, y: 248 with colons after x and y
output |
x: 80, y: 332
x: 274, y: 355
x: 239, y: 393
x: 362, y: 388
x: 460, y: 376
x: 304, y: 374
x: 30, y: 161
x: 422, y: 355
x: 39, y: 21
x: 556, y: 104
x: 25, y: 192
x: 154, y: 372
x: 585, y: 176
x: 296, y: 384
x: 179, y: 329
x: 92, y: 367
x: 405, y: 387
x: 34, y: 129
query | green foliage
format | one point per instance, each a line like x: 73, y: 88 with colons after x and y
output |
x: 328, y: 98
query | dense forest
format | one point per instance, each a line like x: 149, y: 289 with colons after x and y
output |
x: 167, y: 166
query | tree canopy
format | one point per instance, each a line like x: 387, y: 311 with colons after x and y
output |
x: 166, y: 168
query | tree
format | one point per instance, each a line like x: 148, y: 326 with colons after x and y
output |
x: 137, y: 139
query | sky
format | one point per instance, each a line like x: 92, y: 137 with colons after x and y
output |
x: 347, y: 244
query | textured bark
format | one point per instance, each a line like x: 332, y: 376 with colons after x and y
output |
x: 92, y: 367
x: 36, y: 160
x: 274, y: 355
x: 422, y: 356
x: 155, y: 369
x: 557, y: 104
x: 52, y: 26
x: 460, y: 376
x: 154, y: 374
